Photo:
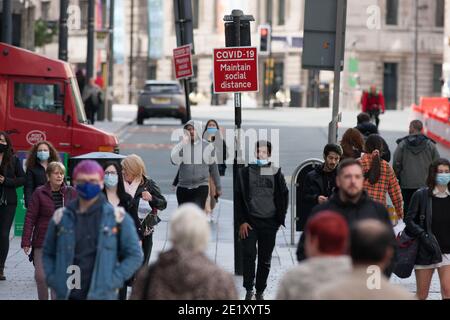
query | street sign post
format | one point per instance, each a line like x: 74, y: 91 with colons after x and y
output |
x: 236, y: 69
x: 182, y: 60
x: 244, y: 59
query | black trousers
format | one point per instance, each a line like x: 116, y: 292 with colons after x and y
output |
x: 407, y: 195
x: 260, y: 242
x: 375, y: 114
x: 147, y: 245
x: 6, y: 219
x: 197, y: 195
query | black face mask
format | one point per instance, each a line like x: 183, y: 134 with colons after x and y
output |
x: 3, y: 147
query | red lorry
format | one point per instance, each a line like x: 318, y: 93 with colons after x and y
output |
x: 40, y: 100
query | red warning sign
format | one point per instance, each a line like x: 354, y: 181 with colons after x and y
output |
x: 182, y: 59
x: 236, y: 69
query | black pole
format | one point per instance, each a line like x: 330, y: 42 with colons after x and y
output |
x: 268, y: 71
x: 110, y: 61
x: 130, y: 82
x: 238, y: 257
x: 62, y: 47
x: 7, y: 22
x: 186, y: 82
x: 90, y: 41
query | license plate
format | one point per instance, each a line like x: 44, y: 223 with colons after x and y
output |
x: 160, y: 100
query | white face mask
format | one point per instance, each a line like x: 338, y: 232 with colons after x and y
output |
x: 111, y: 180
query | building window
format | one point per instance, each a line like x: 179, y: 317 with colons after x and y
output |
x: 281, y: 12
x: 392, y: 12
x: 84, y: 14
x: 269, y: 8
x: 195, y: 13
x: 151, y: 71
x: 45, y: 10
x: 437, y: 76
x: 440, y: 12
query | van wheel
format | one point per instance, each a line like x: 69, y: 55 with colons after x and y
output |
x: 184, y: 119
x: 140, y: 120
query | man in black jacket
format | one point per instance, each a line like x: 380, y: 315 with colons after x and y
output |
x: 320, y: 183
x: 262, y: 201
x: 350, y: 200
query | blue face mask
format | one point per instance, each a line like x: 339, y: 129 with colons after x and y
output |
x: 262, y: 162
x: 211, y: 130
x: 88, y: 190
x: 443, y: 179
x: 43, y: 155
x: 111, y: 180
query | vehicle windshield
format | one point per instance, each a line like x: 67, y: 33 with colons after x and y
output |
x: 162, y: 88
x: 81, y: 115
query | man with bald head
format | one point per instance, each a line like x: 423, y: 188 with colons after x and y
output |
x: 371, y: 249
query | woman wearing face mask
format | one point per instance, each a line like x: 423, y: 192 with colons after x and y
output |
x: 39, y: 156
x: 11, y: 177
x: 213, y: 135
x: 139, y: 186
x: 428, y: 220
x: 45, y: 200
x: 115, y: 193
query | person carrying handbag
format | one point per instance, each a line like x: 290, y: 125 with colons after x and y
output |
x: 428, y: 221
x: 143, y: 189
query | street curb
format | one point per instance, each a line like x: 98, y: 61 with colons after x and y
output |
x: 118, y: 132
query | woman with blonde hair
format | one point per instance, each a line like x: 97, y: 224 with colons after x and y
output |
x: 147, y: 198
x: 45, y: 200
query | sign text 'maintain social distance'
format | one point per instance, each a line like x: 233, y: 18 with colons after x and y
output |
x: 235, y: 69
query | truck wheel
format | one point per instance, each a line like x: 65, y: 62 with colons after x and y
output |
x: 140, y: 120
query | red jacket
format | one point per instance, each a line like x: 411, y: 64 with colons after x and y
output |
x: 372, y: 102
x: 40, y: 211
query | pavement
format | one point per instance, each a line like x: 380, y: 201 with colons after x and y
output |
x: 302, y: 135
x: 20, y: 272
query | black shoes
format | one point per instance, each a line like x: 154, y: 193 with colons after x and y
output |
x: 259, y: 296
x: 249, y: 295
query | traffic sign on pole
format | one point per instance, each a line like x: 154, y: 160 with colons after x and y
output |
x: 182, y: 60
x: 236, y: 69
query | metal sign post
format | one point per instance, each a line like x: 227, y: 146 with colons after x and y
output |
x: 240, y: 23
x: 338, y: 64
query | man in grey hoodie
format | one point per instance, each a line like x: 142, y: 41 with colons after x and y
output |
x: 197, y: 162
x: 412, y: 159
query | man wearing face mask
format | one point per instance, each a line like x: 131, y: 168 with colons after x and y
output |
x: 262, y: 201
x: 91, y: 248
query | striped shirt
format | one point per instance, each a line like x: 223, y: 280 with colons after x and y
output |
x: 58, y: 200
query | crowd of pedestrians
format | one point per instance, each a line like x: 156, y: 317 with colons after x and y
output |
x: 93, y: 239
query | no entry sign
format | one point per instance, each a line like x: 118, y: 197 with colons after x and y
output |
x: 182, y: 60
x: 235, y: 69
